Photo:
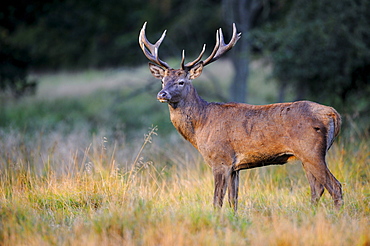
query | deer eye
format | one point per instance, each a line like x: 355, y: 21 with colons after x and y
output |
x: 181, y: 82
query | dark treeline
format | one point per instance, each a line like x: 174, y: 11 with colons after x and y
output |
x: 78, y: 34
x: 320, y: 47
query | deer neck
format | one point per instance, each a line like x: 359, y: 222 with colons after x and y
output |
x: 188, y: 114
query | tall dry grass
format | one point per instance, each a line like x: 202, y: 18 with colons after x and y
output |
x: 72, y: 189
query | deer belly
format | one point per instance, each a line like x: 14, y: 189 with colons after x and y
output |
x: 247, y: 161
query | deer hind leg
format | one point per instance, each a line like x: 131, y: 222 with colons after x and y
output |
x: 322, y: 175
x: 317, y: 189
x: 220, y: 176
x: 233, y: 189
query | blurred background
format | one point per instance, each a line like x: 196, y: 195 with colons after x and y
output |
x: 67, y: 65
x: 88, y: 156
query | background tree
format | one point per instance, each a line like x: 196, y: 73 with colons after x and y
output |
x: 322, y: 49
x: 247, y: 14
x: 14, y: 71
x: 15, y: 60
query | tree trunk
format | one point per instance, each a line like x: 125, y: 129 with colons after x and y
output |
x: 240, y: 61
x: 243, y: 13
x: 282, y: 90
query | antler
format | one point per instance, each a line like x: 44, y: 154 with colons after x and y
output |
x: 151, y: 50
x: 219, y: 49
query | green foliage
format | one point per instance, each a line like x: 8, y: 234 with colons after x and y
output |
x: 14, y: 66
x: 323, y: 47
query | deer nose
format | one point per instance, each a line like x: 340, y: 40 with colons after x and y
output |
x: 163, y: 96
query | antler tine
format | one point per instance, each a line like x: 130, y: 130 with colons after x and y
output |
x: 191, y: 64
x: 222, y: 47
x: 183, y: 60
x: 215, y: 49
x: 151, y: 50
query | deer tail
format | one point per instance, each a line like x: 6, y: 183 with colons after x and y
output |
x: 334, y: 127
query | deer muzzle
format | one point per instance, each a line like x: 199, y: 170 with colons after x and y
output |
x: 163, y: 96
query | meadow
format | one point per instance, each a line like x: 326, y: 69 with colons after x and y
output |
x: 92, y: 159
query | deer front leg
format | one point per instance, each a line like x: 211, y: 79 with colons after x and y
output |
x: 233, y: 189
x: 220, y: 177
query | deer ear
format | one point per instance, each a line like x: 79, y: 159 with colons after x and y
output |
x: 157, y: 72
x: 196, y: 71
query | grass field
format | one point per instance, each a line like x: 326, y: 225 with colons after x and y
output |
x: 93, y: 160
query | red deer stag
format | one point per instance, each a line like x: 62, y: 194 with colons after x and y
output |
x: 236, y: 136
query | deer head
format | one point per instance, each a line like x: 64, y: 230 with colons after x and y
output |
x: 176, y: 83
